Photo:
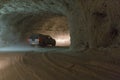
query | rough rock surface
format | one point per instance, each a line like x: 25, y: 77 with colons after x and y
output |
x: 93, y: 23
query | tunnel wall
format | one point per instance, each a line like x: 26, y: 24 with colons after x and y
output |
x: 104, y: 24
x: 93, y: 23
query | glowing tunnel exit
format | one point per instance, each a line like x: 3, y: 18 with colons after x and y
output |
x: 62, y: 40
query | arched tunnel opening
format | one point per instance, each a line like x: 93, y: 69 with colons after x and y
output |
x: 17, y: 27
x: 90, y: 27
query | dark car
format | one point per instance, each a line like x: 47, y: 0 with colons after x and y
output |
x: 41, y: 40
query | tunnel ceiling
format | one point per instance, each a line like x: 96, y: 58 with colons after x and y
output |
x: 34, y: 6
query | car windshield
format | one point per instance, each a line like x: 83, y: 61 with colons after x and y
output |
x: 34, y: 36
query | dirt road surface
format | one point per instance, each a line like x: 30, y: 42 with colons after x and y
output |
x: 56, y: 65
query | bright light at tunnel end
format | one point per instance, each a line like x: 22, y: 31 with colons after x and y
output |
x: 62, y: 40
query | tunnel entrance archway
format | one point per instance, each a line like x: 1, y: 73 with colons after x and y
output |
x: 18, y: 26
x: 67, y: 8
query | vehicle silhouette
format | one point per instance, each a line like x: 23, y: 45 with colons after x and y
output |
x: 41, y: 40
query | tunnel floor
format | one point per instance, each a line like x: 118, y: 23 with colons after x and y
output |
x: 87, y: 65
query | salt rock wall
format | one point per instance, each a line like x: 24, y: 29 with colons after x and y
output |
x: 95, y: 24
x: 92, y: 23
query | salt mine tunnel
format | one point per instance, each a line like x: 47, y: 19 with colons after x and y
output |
x: 86, y: 34
x: 83, y: 23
